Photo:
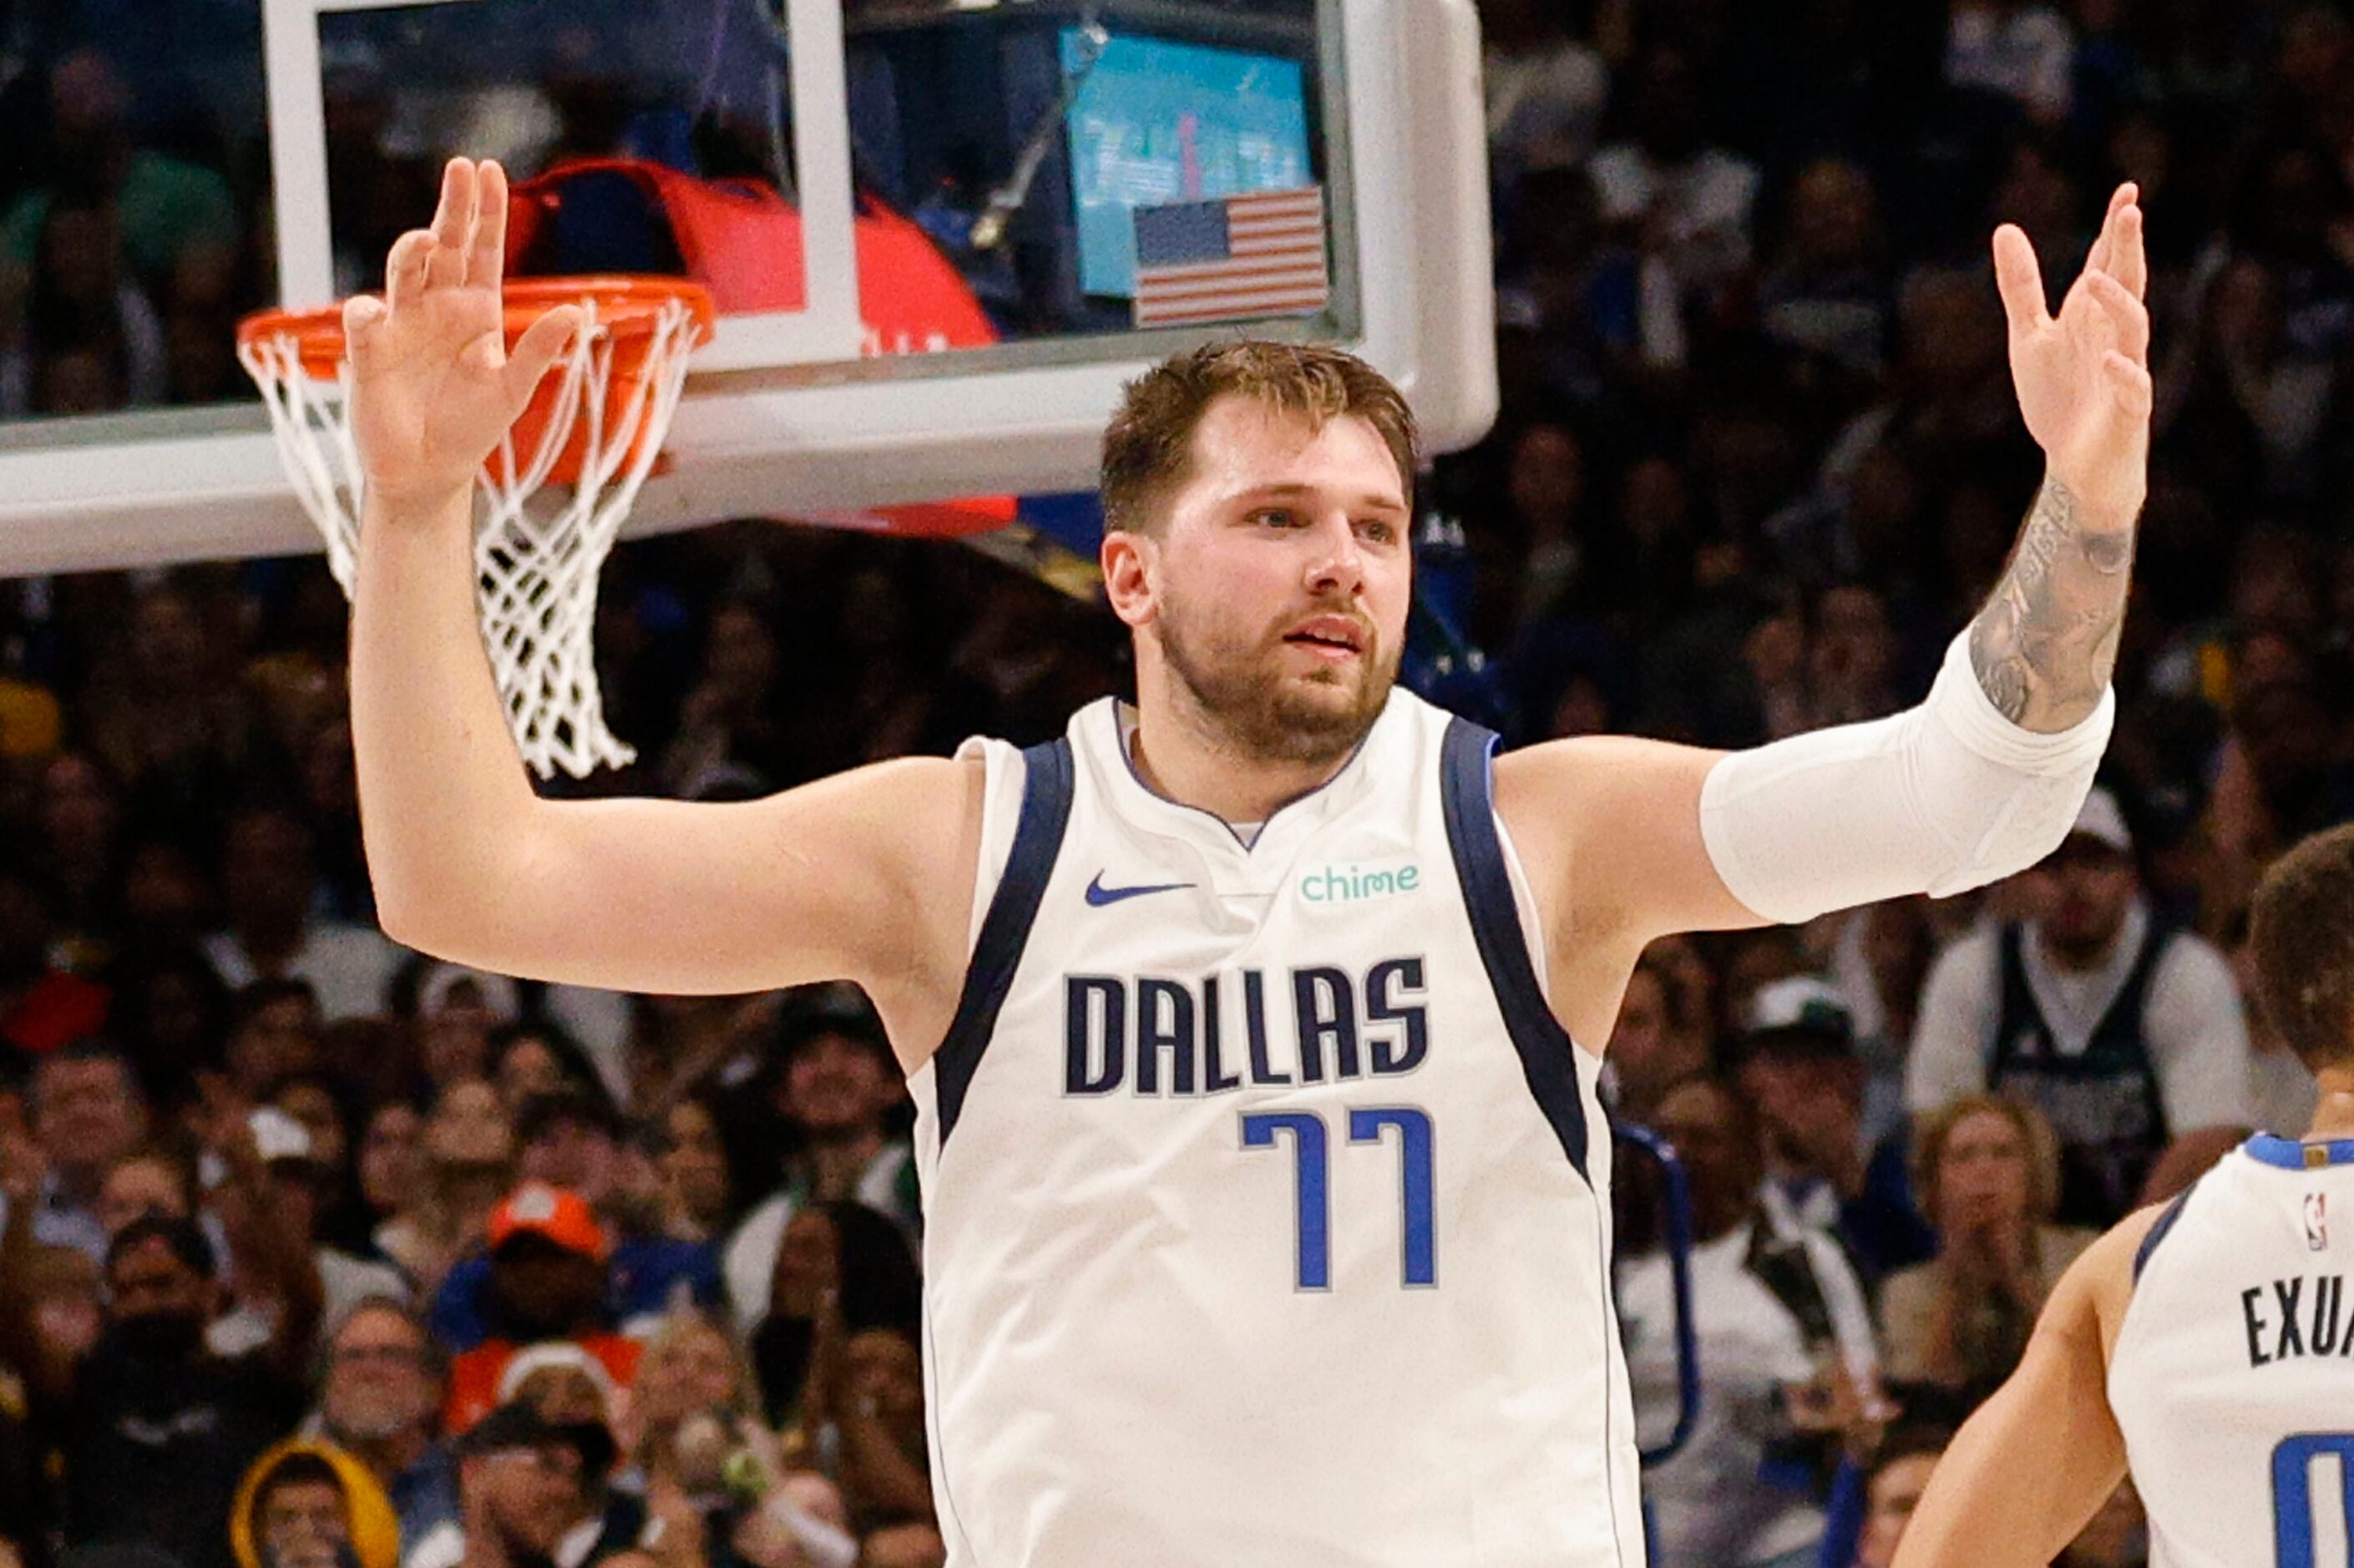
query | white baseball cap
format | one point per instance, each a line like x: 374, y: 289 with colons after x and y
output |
x: 277, y: 1136
x: 2101, y: 821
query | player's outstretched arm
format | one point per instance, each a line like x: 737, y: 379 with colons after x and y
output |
x: 2036, y: 1461
x: 842, y: 879
x: 1980, y: 781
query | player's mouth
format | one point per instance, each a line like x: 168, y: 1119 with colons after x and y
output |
x: 1336, y: 638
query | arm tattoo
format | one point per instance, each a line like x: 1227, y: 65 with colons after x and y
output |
x: 2046, y: 642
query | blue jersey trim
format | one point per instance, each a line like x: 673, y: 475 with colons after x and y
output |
x: 2157, y: 1232
x: 2289, y: 1154
x: 1127, y: 760
x: 1466, y: 798
x: 1005, y: 930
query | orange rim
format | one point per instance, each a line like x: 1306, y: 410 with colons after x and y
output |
x: 626, y: 306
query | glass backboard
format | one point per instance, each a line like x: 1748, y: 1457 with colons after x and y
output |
x: 943, y: 232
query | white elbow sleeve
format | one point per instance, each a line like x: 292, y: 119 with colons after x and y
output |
x: 1939, y: 798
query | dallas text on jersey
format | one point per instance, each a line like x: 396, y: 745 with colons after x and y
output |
x: 1164, y: 1036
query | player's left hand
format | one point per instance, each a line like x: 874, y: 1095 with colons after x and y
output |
x: 2083, y: 376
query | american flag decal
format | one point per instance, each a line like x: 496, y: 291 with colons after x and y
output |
x: 1230, y: 259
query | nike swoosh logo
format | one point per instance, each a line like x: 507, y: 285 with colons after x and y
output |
x: 1098, y: 895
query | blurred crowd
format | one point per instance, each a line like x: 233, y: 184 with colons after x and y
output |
x: 317, y: 1251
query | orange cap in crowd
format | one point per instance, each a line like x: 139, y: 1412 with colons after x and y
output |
x: 553, y: 1213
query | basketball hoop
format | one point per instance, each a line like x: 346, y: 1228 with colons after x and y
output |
x: 594, y: 426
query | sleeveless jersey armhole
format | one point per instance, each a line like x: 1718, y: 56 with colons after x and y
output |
x: 1005, y: 774
x: 2145, y: 1254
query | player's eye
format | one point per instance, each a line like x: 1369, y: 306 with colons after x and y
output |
x: 1276, y: 518
x: 1378, y: 531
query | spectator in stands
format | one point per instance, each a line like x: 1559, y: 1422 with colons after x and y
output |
x: 2116, y: 1537
x: 156, y: 1430
x: 164, y: 710
x: 912, y: 1545
x: 1877, y: 958
x: 269, y: 882
x: 1986, y: 1171
x: 2128, y: 1036
x: 526, y: 1485
x: 152, y: 1179
x: 837, y: 1086
x: 700, y: 1171
x: 380, y: 1401
x: 1786, y: 1340
x: 1797, y: 1065
x: 170, y: 1011
x: 457, y: 1009
x: 391, y: 1167
x: 305, y: 1504
x: 702, y: 1447
x: 167, y: 205
x: 2020, y: 51
x: 299, y: 1186
x: 82, y: 308
x: 1683, y: 206
x: 532, y: 1059
x: 842, y: 1269
x: 1899, y: 1475
x: 1827, y: 290
x: 317, y: 1104
x: 571, y: 1140
x: 548, y: 1278
x: 1661, y: 1037
x: 1546, y: 89
x: 273, y: 1031
x: 167, y: 899
x: 79, y: 817
x: 869, y: 1387
x: 87, y: 1113
x: 469, y: 1166
x: 41, y: 1006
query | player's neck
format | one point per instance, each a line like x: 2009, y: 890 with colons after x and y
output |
x: 1182, y: 755
x: 2333, y: 1113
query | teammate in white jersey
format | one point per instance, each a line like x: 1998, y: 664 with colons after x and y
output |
x: 1266, y: 1193
x: 2206, y: 1346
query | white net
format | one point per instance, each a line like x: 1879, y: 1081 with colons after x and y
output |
x: 537, y: 554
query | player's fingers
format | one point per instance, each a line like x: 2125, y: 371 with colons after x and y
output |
x: 486, y: 262
x: 403, y: 270
x: 2136, y: 393
x: 364, y: 316
x: 2132, y: 268
x: 2019, y: 277
x: 2128, y: 315
x: 454, y: 227
x: 537, y: 350
x: 2102, y: 257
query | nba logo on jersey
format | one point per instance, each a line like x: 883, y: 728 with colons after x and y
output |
x: 2316, y: 1221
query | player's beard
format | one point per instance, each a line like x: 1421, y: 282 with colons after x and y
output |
x: 1314, y: 720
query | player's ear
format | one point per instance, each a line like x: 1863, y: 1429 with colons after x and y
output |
x: 1131, y: 573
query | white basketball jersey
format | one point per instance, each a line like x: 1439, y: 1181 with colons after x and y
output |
x: 2233, y: 1377
x: 1267, y: 1218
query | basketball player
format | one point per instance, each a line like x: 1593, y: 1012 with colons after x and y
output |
x: 1266, y: 1186
x: 2207, y: 1344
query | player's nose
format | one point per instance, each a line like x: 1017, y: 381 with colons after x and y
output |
x: 1337, y: 564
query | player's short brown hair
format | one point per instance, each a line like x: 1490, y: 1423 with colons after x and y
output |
x: 1148, y: 446
x: 2301, y: 928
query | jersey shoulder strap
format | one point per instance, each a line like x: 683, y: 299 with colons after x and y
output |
x: 1046, y: 785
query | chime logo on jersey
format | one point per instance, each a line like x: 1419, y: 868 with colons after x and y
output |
x: 1359, y: 884
x: 2316, y: 1221
x: 1156, y: 1036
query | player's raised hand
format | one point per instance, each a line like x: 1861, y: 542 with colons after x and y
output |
x: 2083, y: 376
x: 433, y: 384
